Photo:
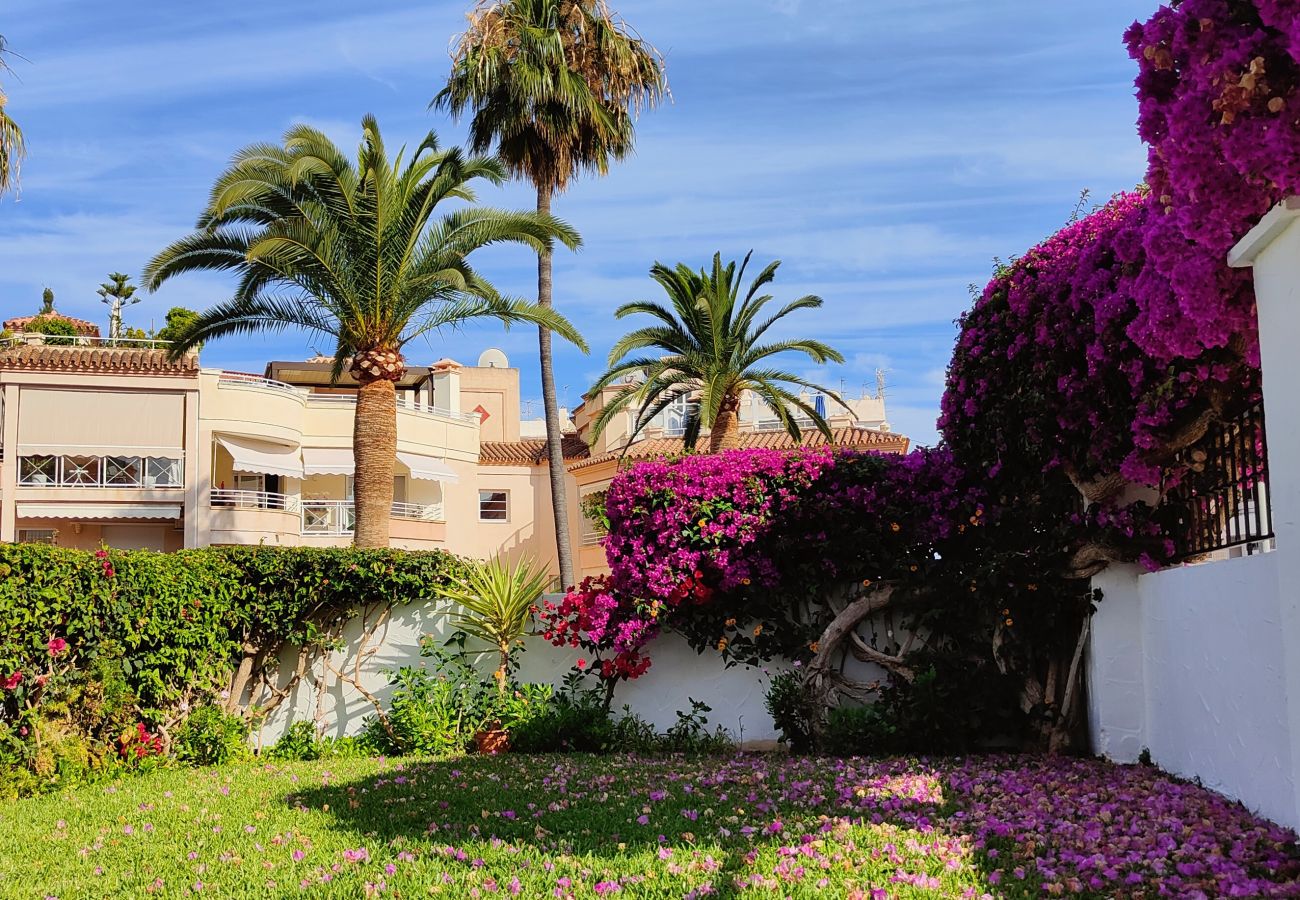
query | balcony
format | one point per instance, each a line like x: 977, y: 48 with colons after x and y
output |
x: 337, y: 518
x: 254, y: 500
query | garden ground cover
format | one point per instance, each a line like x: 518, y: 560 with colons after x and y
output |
x: 585, y: 826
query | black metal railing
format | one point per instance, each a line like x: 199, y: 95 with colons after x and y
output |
x: 1216, y: 491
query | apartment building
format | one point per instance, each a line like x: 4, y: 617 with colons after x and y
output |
x: 113, y: 443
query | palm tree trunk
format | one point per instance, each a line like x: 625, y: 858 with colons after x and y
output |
x: 725, y: 434
x: 554, y: 434
x: 374, y: 452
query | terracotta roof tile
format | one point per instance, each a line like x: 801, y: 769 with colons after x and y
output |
x: 113, y: 360
x: 530, y: 452
x: 844, y: 436
x: 89, y: 329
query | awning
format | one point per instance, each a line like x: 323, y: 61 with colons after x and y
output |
x: 327, y: 461
x: 99, y: 510
x: 427, y: 468
x: 261, y: 458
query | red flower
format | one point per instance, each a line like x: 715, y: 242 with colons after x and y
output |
x: 12, y: 681
x: 582, y: 663
x: 57, y: 646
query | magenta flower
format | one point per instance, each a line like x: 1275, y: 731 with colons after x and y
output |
x: 56, y: 646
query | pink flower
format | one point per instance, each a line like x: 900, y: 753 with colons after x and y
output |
x: 56, y: 646
x: 12, y: 681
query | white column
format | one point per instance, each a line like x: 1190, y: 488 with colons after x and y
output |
x: 1117, y: 689
x: 9, y: 468
x: 1273, y: 249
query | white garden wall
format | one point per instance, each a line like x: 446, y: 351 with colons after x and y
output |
x: 1190, y: 664
x: 1201, y: 664
x: 676, y: 675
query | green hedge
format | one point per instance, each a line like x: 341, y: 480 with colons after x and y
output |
x: 164, y: 633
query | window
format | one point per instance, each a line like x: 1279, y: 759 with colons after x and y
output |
x: 37, y: 536
x: 493, y: 506
x: 122, y: 471
x: 159, y: 472
x: 38, y: 470
x: 100, y: 471
x: 81, y: 471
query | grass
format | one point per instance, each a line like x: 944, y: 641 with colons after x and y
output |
x: 558, y: 826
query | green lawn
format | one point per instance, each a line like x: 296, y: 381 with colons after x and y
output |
x: 582, y: 826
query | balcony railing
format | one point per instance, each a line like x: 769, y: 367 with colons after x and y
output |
x: 254, y: 500
x: 243, y: 379
x: 328, y: 517
x: 1216, y: 492
x: 338, y: 517
x: 402, y: 405
x: 82, y: 340
x: 100, y: 471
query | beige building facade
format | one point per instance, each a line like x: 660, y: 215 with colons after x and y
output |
x: 117, y: 445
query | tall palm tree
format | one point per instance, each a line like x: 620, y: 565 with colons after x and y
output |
x: 710, y: 355
x: 12, y: 146
x: 359, y: 252
x: 555, y: 86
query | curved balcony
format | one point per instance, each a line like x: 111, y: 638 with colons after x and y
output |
x: 413, y: 525
x: 253, y: 517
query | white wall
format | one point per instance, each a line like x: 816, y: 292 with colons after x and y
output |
x: 1190, y: 663
x: 676, y: 674
x: 1201, y: 664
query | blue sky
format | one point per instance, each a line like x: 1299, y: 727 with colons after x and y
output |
x: 885, y: 150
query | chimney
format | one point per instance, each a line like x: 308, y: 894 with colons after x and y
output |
x: 444, y: 379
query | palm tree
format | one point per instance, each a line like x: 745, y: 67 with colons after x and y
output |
x: 12, y: 146
x: 555, y: 86
x: 711, y: 354
x: 359, y: 252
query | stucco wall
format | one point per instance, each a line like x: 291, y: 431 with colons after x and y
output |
x: 676, y: 675
x: 1191, y: 664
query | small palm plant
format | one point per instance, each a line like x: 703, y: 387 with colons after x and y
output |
x: 497, y: 604
x: 709, y: 338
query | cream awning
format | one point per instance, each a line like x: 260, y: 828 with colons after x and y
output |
x: 427, y: 468
x: 261, y: 458
x: 327, y: 461
x: 99, y: 510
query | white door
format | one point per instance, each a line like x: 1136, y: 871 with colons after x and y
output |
x: 135, y: 537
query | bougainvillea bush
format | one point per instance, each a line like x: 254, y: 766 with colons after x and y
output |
x: 1220, y: 111
x: 818, y: 555
x: 570, y: 827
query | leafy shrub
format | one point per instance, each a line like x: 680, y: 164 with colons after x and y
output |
x: 856, y: 731
x: 435, y: 712
x: 574, y: 719
x: 211, y: 737
x: 58, y: 330
x: 98, y: 645
x: 300, y: 741
x: 690, y: 733
x: 788, y: 706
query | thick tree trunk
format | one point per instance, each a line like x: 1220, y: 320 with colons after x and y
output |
x: 725, y: 434
x: 374, y: 453
x: 554, y: 433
